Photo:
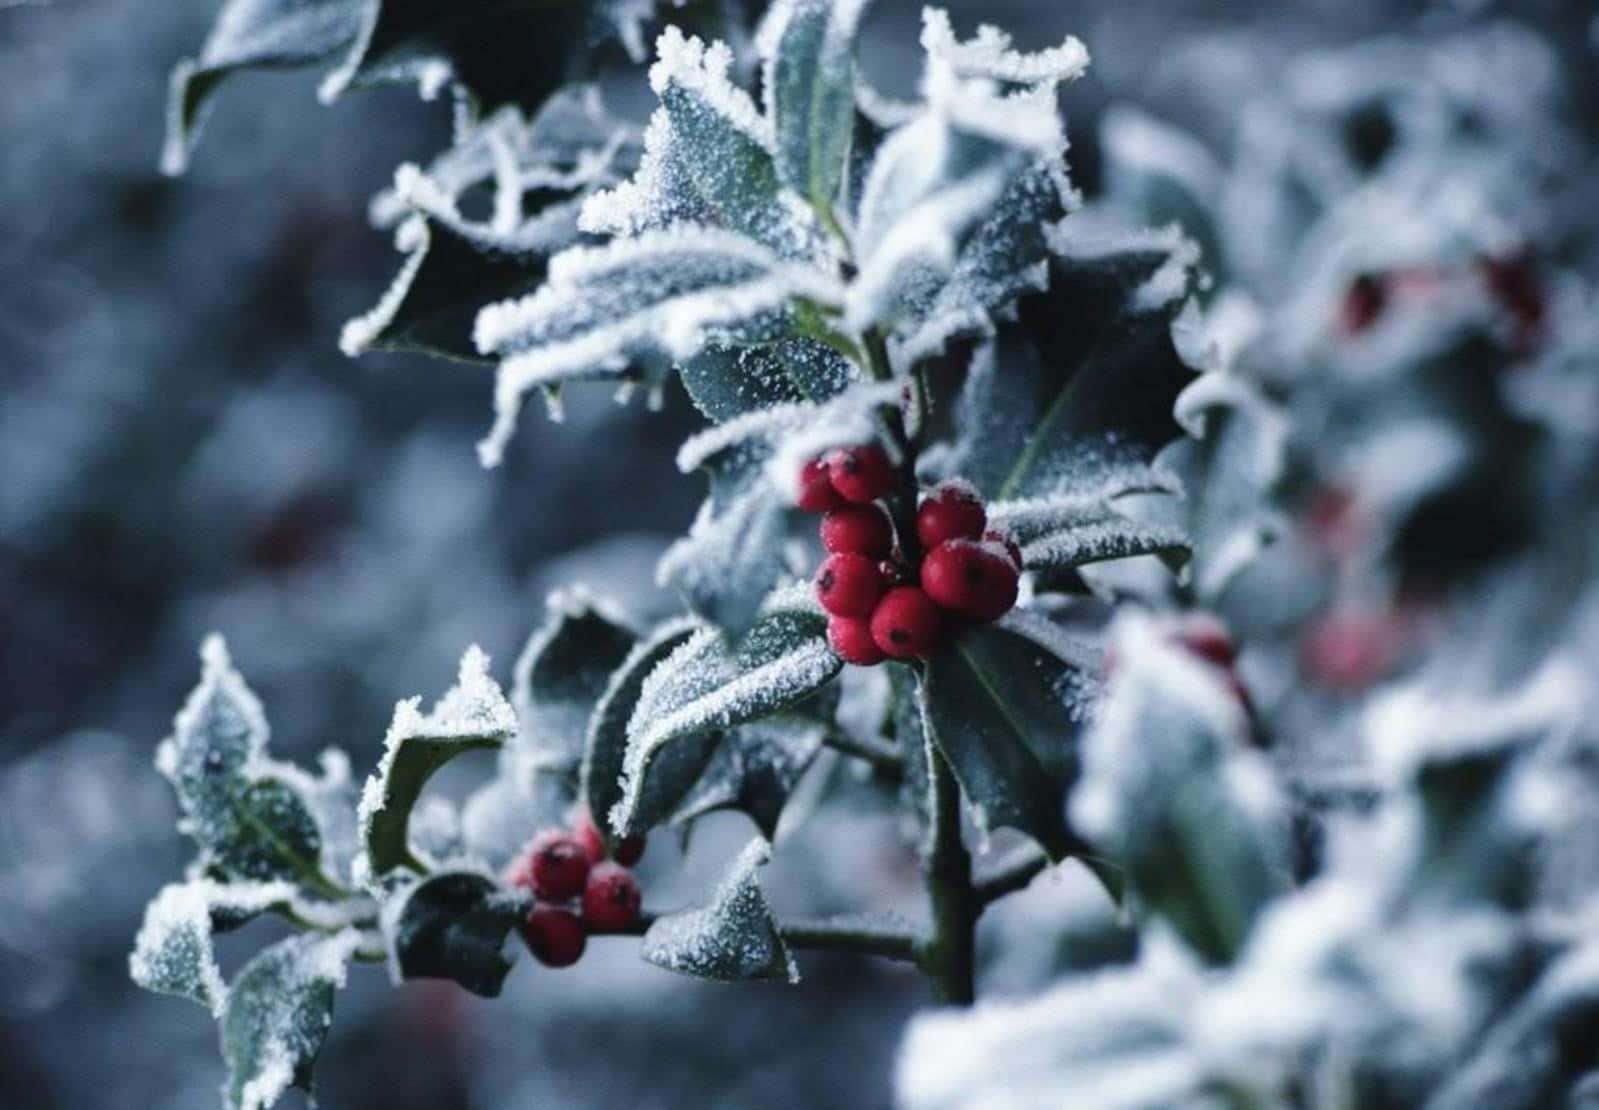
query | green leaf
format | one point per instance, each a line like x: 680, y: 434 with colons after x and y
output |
x: 277, y: 1016
x: 810, y: 88
x: 707, y: 685
x: 453, y: 926
x: 726, y: 382
x: 1171, y: 790
x: 252, y: 818
x: 732, y: 939
x: 563, y: 672
x: 605, y: 746
x: 1005, y: 704
x: 473, y: 715
x: 754, y: 770
x: 173, y: 953
x: 251, y: 34
x: 1066, y: 531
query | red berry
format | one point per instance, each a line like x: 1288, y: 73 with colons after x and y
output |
x: 851, y: 638
x: 1363, y: 302
x: 863, y: 529
x: 589, y: 835
x: 611, y: 899
x: 951, y: 512
x: 558, y: 864
x: 848, y: 585
x: 816, y: 492
x: 556, y: 937
x: 1207, y: 638
x: 629, y: 850
x: 994, y: 535
x: 976, y: 580
x: 861, y: 474
x: 1348, y: 651
x: 906, y: 623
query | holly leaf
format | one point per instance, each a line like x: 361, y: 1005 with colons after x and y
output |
x: 452, y: 925
x: 708, y: 684
x: 1171, y: 790
x: 605, y: 746
x: 173, y: 952
x: 251, y: 817
x: 1067, y: 531
x: 733, y: 938
x: 809, y: 48
x: 277, y: 1015
x: 1005, y: 705
x: 727, y: 382
x: 754, y: 770
x: 563, y: 672
x: 251, y: 34
x: 473, y: 715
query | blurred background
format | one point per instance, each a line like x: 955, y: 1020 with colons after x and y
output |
x: 183, y: 449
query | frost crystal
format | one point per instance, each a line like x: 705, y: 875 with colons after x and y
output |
x: 989, y: 54
x: 732, y: 938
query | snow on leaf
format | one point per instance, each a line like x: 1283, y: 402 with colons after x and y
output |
x: 277, y: 1015
x: 808, y: 46
x: 250, y: 34
x: 172, y: 953
x: 664, y: 294
x: 1169, y: 789
x: 605, y: 744
x: 1071, y: 531
x: 727, y: 382
x: 990, y: 54
x: 733, y: 938
x: 452, y: 925
x: 472, y: 715
x: 707, y: 685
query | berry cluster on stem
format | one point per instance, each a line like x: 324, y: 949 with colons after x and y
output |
x: 576, y: 889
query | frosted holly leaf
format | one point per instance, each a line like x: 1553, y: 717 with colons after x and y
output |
x: 989, y: 54
x: 251, y: 817
x: 1156, y: 175
x: 277, y: 1015
x: 1231, y: 466
x: 1005, y: 704
x: 605, y: 743
x: 451, y: 270
x: 1070, y: 530
x: 563, y: 672
x: 452, y: 925
x: 472, y: 715
x: 725, y: 382
x: 732, y: 939
x: 1170, y: 789
x: 708, y: 160
x: 251, y: 34
x: 172, y: 953
x: 1083, y: 385
x: 707, y: 685
x: 754, y: 770
x: 1005, y: 257
x: 662, y: 295
x: 808, y: 47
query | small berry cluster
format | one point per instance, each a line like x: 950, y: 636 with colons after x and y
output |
x: 577, y: 891
x: 879, y: 606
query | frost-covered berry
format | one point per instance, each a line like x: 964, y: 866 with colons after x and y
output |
x: 994, y: 535
x: 906, y: 623
x: 1207, y: 638
x: 952, y: 511
x: 558, y: 864
x: 861, y: 474
x: 848, y: 585
x: 863, y: 529
x: 851, y: 639
x: 816, y: 492
x: 976, y: 580
x: 611, y: 899
x: 589, y: 835
x: 556, y: 937
x: 629, y: 850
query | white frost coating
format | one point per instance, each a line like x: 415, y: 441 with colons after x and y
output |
x: 690, y: 64
x: 172, y: 952
x: 219, y: 682
x: 758, y: 424
x: 733, y: 937
x: 990, y: 54
x: 1222, y: 390
x: 474, y: 707
x: 360, y: 332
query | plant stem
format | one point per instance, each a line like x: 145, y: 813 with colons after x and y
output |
x: 868, y: 936
x: 882, y: 757
x: 1012, y: 875
x: 948, y: 954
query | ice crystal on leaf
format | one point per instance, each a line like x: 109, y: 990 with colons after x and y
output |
x: 732, y: 938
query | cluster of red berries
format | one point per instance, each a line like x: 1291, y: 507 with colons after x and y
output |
x: 878, y: 604
x: 577, y: 890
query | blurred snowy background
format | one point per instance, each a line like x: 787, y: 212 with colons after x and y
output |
x: 183, y: 449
